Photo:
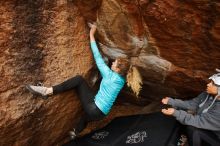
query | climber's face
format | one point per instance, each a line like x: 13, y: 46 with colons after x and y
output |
x: 114, y: 66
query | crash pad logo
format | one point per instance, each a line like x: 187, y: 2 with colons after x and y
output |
x: 100, y: 135
x: 137, y: 137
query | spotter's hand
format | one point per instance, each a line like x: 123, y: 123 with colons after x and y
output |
x: 169, y: 111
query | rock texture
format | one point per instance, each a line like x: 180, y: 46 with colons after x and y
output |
x: 43, y: 41
x: 175, y: 44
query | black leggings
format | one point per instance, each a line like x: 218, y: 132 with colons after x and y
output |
x: 86, y: 95
x: 201, y: 137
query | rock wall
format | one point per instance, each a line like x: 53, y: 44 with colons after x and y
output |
x: 42, y: 41
x: 175, y: 44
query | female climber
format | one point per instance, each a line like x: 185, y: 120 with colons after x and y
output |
x: 96, y: 105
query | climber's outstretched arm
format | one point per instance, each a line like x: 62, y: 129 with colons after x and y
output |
x: 103, y: 68
x: 93, y: 28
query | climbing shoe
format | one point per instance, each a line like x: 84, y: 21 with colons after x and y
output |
x: 72, y: 134
x: 38, y: 90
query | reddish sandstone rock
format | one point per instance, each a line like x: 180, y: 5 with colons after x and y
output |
x: 175, y: 44
x: 43, y: 41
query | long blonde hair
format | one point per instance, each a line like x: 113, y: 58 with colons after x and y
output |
x: 133, y: 77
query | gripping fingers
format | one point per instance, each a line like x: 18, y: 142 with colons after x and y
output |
x: 92, y: 24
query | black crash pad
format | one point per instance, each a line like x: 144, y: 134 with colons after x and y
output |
x: 153, y: 129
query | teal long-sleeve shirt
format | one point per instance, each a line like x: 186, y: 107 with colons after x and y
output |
x: 111, y: 83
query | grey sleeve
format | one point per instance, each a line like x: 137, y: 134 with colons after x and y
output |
x: 218, y: 91
x: 188, y: 104
x: 209, y: 120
